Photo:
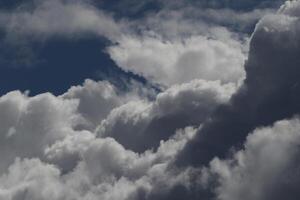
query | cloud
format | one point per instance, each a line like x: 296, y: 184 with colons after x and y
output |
x: 267, y: 168
x: 97, y: 99
x: 140, y: 125
x: 31, y: 123
x: 191, y: 142
x: 193, y: 47
x: 46, y: 142
x: 43, y: 19
x: 122, y: 175
x: 269, y: 93
x: 42, y: 146
x: 32, y: 179
x: 193, y: 58
x: 197, y: 43
x: 192, y: 19
x: 135, y: 7
x: 233, y: 4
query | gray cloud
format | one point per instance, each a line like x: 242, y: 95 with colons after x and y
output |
x: 105, y: 170
x: 233, y: 4
x: 270, y: 90
x: 268, y: 167
x: 32, y: 123
x: 96, y: 142
x: 44, y: 153
x: 140, y: 125
x: 210, y: 52
x: 97, y: 99
x: 49, y: 18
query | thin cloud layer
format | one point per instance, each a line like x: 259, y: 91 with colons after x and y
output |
x: 43, y: 19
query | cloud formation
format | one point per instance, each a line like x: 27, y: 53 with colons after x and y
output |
x: 193, y: 48
x: 193, y: 58
x: 104, y: 169
x: 42, y: 19
x: 98, y: 99
x: 31, y: 123
x: 208, y: 134
x: 44, y: 152
x: 269, y: 92
x: 267, y: 168
x: 141, y: 125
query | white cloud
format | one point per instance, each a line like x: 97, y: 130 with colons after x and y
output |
x: 32, y: 179
x: 192, y: 48
x: 32, y: 123
x: 97, y: 99
x: 49, y: 148
x: 189, y: 20
x: 180, y: 61
x: 44, y: 155
x: 265, y: 168
x: 122, y: 175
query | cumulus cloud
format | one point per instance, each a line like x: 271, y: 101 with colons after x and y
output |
x: 97, y: 99
x: 191, y: 142
x: 43, y: 147
x: 105, y: 170
x: 32, y: 179
x: 193, y: 47
x: 140, y: 125
x: 193, y: 58
x: 267, y: 168
x: 31, y: 123
x: 209, y: 44
x: 269, y: 93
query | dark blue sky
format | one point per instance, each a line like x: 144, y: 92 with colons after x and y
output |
x: 58, y: 63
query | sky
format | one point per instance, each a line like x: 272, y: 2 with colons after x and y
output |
x: 149, y: 99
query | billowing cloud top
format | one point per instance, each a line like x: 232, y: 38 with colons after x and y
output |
x: 215, y: 117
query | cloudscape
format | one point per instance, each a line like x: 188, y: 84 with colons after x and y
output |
x: 149, y: 100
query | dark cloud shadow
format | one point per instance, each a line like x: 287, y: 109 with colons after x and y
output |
x: 270, y: 92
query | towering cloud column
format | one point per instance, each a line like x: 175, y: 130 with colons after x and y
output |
x: 271, y: 90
